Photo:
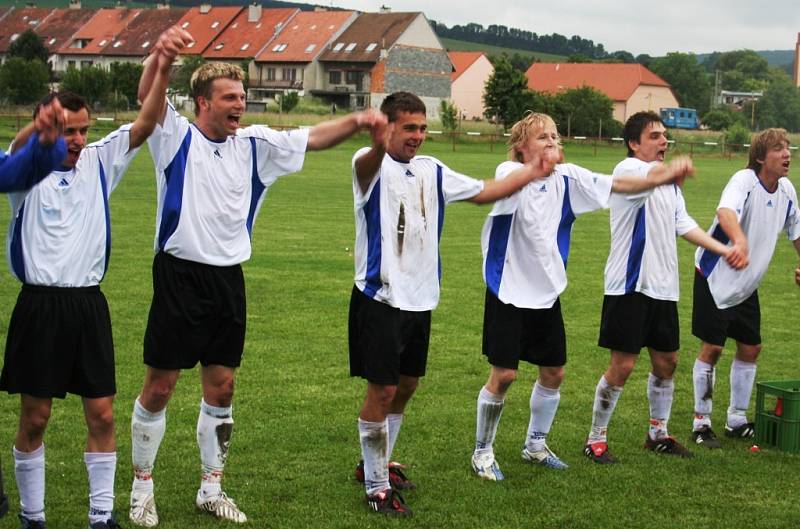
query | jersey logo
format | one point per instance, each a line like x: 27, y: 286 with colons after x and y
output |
x: 543, y: 189
x: 769, y: 203
x: 409, y: 173
x: 217, y: 154
x: 63, y: 183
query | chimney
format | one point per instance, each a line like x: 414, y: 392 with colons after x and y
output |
x: 205, y: 8
x: 254, y: 12
x: 796, y: 60
x: 163, y: 5
x: 386, y: 9
x: 74, y: 4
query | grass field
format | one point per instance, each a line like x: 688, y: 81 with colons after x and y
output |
x: 295, y: 442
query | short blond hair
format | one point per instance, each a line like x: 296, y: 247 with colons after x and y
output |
x: 763, y: 142
x: 204, y: 77
x: 522, y: 131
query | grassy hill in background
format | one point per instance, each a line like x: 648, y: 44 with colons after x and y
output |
x: 462, y: 45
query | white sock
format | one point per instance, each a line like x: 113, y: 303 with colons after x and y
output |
x: 704, y: 376
x: 605, y: 400
x: 743, y: 374
x: 394, y: 422
x: 29, y: 471
x: 660, y: 392
x: 374, y: 437
x: 147, y: 431
x: 101, y: 467
x: 214, y: 429
x: 544, y: 403
x: 490, y: 408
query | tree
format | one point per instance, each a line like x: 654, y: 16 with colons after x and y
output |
x: 93, y: 83
x: 125, y: 81
x: 688, y: 79
x: 180, y: 78
x: 29, y: 46
x: 23, y: 82
x: 448, y: 113
x: 288, y: 101
x: 721, y: 118
x: 736, y: 136
x: 580, y: 111
x: 504, y: 93
x: 780, y: 105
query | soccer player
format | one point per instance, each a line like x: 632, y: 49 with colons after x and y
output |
x: 212, y: 177
x: 757, y: 204
x: 525, y: 244
x: 641, y: 289
x: 400, y: 199
x: 59, y: 339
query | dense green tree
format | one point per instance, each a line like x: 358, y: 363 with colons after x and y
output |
x: 582, y: 111
x: 93, y: 83
x: 736, y: 136
x: 644, y: 59
x: 505, y: 93
x: 125, y: 82
x: 780, y: 105
x: 180, y: 78
x: 23, y: 82
x: 288, y: 101
x: 29, y: 46
x: 689, y: 81
x: 721, y: 118
x: 448, y: 114
x: 578, y: 58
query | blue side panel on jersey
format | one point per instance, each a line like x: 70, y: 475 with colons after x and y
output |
x: 256, y: 189
x: 708, y: 260
x: 104, y: 187
x: 372, y: 212
x: 496, y: 253
x: 788, y: 212
x: 440, y: 218
x: 173, y: 199
x: 565, y: 226
x: 636, y: 252
x: 17, y: 258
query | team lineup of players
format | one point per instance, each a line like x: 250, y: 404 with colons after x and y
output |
x: 212, y: 176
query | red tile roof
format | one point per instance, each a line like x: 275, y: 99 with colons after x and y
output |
x: 100, y: 31
x: 141, y: 34
x: 367, y: 35
x: 305, y: 36
x: 19, y: 20
x: 243, y: 39
x: 59, y: 27
x: 461, y: 61
x: 617, y: 81
x: 205, y: 26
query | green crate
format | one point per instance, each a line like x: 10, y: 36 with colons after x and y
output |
x: 778, y: 415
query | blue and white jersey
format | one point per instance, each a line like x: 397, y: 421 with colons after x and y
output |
x: 60, y: 232
x: 762, y: 216
x: 210, y: 192
x: 644, y: 253
x: 526, y: 237
x: 398, y: 224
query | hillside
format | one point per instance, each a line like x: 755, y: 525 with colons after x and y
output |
x: 462, y: 45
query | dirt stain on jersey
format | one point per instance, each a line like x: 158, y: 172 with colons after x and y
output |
x: 401, y: 228
x: 422, y: 207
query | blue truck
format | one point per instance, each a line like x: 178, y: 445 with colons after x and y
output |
x: 680, y: 118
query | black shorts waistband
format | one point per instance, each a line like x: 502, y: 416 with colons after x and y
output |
x: 46, y: 289
x: 186, y: 262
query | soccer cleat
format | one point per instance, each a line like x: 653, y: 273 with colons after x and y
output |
x: 705, y: 436
x: 221, y: 506
x: 389, y: 502
x: 486, y: 467
x: 743, y: 431
x: 667, y: 445
x: 599, y: 453
x: 26, y: 523
x: 143, y: 509
x: 397, y: 478
x: 544, y: 457
x: 111, y: 523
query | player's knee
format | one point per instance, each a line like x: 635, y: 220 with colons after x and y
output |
x: 710, y: 353
x: 156, y: 395
x: 551, y: 377
x: 749, y: 353
x: 100, y: 421
x: 221, y: 392
x: 33, y: 422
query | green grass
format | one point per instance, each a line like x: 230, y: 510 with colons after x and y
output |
x: 295, y: 442
x: 463, y: 45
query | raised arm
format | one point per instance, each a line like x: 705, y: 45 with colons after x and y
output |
x: 368, y: 164
x: 330, y: 133
x: 153, y: 105
x: 539, y: 167
x: 674, y: 172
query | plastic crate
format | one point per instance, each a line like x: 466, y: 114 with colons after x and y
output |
x: 778, y: 415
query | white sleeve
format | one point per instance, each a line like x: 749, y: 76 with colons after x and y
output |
x: 508, y: 205
x: 792, y: 224
x: 588, y: 191
x: 735, y: 193
x: 683, y: 222
x: 115, y: 155
x: 166, y: 139
x: 278, y: 153
x: 632, y: 167
x: 456, y: 186
x: 362, y: 198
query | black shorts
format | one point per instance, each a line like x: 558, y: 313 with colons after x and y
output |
x: 713, y: 325
x: 198, y: 314
x: 386, y: 342
x: 59, y: 341
x: 632, y: 321
x: 511, y: 334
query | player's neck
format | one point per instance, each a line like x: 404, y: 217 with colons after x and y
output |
x: 769, y: 180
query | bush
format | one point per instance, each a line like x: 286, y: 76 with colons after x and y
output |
x: 721, y: 118
x: 448, y: 113
x: 23, y: 82
x: 736, y: 136
x: 288, y: 101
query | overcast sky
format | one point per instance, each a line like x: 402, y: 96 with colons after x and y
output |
x: 655, y: 28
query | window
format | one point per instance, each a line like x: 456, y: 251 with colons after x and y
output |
x: 335, y: 77
x: 14, y: 37
x: 103, y: 42
x: 70, y: 64
x: 339, y: 46
x: 145, y: 44
x: 244, y: 46
x: 86, y: 64
x: 313, y: 27
x: 350, y: 47
x: 270, y: 74
x: 118, y: 44
x: 279, y: 48
x: 185, y: 25
x: 289, y: 74
x: 215, y: 25
x: 310, y: 48
x: 235, y: 25
x: 219, y: 46
x: 190, y: 45
x: 372, y: 46
x: 51, y: 42
x: 353, y: 77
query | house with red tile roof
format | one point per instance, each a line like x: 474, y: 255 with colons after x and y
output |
x: 248, y: 33
x: 289, y: 61
x: 93, y: 43
x: 59, y: 27
x: 205, y: 22
x: 381, y: 53
x: 15, y: 22
x: 631, y: 87
x: 471, y: 70
x: 137, y: 38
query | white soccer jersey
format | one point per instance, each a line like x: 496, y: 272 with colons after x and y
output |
x: 60, y: 232
x: 644, y: 255
x: 210, y: 192
x: 526, y: 237
x: 398, y: 224
x: 762, y: 216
